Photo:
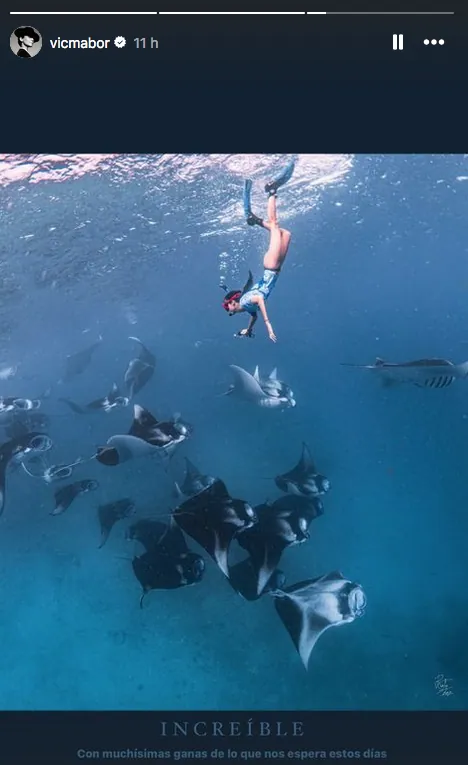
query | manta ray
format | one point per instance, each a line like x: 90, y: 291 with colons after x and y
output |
x: 304, y: 478
x: 270, y: 393
x: 112, y: 512
x: 140, y: 370
x: 274, y: 387
x: 424, y: 373
x: 76, y: 363
x: 194, y: 482
x: 113, y: 400
x: 147, y: 436
x: 213, y: 518
x: 67, y: 494
x: 167, y: 563
x: 309, y: 608
x: 280, y: 525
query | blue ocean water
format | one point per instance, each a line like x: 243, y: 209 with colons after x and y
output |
x: 123, y: 246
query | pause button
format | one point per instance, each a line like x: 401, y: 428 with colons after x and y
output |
x: 397, y: 42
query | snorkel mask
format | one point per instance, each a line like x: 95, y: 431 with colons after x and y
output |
x: 233, y: 295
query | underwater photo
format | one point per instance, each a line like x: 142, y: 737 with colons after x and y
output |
x: 233, y: 417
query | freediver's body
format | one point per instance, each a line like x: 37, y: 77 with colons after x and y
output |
x: 254, y: 299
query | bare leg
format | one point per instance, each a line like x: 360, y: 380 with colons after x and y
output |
x: 279, y: 239
x: 285, y: 240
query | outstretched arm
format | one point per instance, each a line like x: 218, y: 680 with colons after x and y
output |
x: 252, y: 321
x: 261, y: 304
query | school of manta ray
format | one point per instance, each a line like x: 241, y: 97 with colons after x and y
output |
x: 206, y: 513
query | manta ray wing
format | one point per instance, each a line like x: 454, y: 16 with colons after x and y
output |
x: 65, y: 496
x: 148, y: 532
x: 202, y: 518
x: 265, y: 550
x: 303, y: 469
x: 299, y: 616
x: 138, y: 374
x: 145, y: 355
x: 76, y: 363
x: 143, y: 422
x: 110, y: 513
x: 130, y: 447
x: 266, y: 560
x: 306, y: 463
x: 172, y: 542
x: 244, y: 580
x: 246, y: 385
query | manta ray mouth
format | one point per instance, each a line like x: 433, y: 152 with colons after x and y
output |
x: 22, y: 403
x: 357, y: 601
x: 41, y: 443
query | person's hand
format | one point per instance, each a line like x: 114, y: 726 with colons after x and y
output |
x: 271, y: 334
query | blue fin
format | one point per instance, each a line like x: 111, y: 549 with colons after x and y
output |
x: 281, y: 179
x: 247, y: 193
x: 252, y: 220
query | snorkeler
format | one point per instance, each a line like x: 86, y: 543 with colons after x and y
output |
x: 253, y: 297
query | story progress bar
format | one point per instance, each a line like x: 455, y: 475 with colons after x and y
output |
x: 232, y: 13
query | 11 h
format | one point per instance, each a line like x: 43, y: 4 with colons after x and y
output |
x: 140, y: 42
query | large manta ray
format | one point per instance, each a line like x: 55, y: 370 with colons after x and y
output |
x: 283, y: 524
x: 213, y: 518
x: 76, y: 363
x: 424, y: 373
x: 269, y: 394
x: 309, y: 608
x: 167, y: 562
x: 147, y: 436
x: 140, y: 370
x: 304, y: 478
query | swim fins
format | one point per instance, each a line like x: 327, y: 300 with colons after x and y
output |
x: 252, y: 220
x: 281, y: 179
x: 247, y: 193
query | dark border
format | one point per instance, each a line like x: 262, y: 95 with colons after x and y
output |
x: 411, y: 738
x: 211, y: 85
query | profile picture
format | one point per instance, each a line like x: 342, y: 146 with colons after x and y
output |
x: 26, y: 42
